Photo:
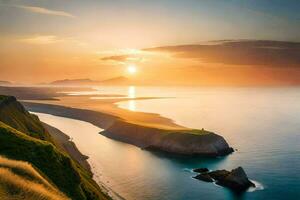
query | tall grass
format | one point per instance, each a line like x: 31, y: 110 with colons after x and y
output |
x: 19, y: 180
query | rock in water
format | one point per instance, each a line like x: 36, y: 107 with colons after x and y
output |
x: 200, y: 170
x: 236, y: 180
x: 219, y: 174
x: 204, y: 177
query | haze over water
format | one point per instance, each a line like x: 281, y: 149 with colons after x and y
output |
x: 261, y: 123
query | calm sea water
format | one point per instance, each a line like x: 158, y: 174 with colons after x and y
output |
x: 263, y: 124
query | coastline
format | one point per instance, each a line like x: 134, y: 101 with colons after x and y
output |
x: 63, y: 141
x: 103, y: 113
x: 98, y: 117
x: 107, y: 110
x: 106, y: 107
x: 201, y: 142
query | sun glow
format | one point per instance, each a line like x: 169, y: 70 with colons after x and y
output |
x: 131, y: 69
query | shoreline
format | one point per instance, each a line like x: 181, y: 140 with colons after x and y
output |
x: 99, y: 118
x: 104, y: 113
x: 104, y: 104
x: 63, y: 141
x: 107, y: 109
x: 202, y: 142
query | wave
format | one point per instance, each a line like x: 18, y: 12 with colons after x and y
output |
x: 258, y: 186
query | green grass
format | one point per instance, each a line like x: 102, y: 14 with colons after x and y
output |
x: 2, y: 97
x: 196, y: 131
x: 22, y: 137
x: 187, y: 131
x: 15, y: 115
x: 166, y: 130
x: 58, y: 167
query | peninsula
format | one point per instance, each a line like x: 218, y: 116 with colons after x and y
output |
x: 145, y: 130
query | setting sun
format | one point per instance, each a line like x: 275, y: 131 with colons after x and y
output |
x: 131, y: 69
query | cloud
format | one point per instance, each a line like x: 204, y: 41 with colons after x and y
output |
x: 240, y: 52
x: 123, y: 55
x: 49, y: 39
x: 41, y: 39
x: 119, y: 58
x: 45, y: 11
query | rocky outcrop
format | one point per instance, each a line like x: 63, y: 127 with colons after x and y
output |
x: 200, y: 170
x: 189, y: 142
x: 236, y: 180
x: 204, y: 177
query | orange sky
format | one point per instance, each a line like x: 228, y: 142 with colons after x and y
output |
x: 51, y: 40
x: 172, y: 66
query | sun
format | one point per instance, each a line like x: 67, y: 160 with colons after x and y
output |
x: 131, y: 69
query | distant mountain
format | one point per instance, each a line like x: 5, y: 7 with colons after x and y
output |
x: 5, y: 82
x: 74, y: 82
x: 120, y: 80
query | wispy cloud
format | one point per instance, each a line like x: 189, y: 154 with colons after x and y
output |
x: 49, y: 39
x: 123, y: 56
x: 45, y: 11
x: 41, y: 39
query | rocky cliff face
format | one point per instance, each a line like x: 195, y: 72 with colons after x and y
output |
x: 189, y: 142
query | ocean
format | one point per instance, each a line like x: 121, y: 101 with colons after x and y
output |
x: 262, y: 124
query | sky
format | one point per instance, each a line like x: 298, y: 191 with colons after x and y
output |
x: 46, y: 40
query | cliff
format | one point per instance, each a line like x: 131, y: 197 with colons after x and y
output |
x: 188, y: 142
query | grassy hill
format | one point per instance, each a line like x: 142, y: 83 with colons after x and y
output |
x: 16, y: 116
x: 23, y: 138
x: 19, y: 180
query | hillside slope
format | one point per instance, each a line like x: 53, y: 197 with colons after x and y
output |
x: 15, y: 115
x: 19, y: 180
x: 22, y: 137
